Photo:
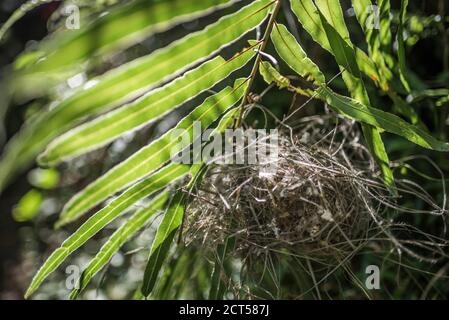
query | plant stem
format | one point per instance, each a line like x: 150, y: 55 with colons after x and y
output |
x: 258, y: 60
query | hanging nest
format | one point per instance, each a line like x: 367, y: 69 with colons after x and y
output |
x: 316, y: 201
x: 325, y: 200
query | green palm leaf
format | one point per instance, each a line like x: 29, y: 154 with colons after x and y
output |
x: 123, y: 26
x: 105, y: 216
x: 150, y: 157
x: 346, y: 57
x: 174, y: 216
x: 309, y: 17
x: 337, y: 42
x: 120, y: 236
x: 389, y: 122
x: 385, y: 34
x: 145, y: 110
x: 379, y: 41
x: 161, y: 245
x: 367, y: 20
x: 292, y: 53
x: 401, y: 46
x: 126, y: 83
x: 355, y: 110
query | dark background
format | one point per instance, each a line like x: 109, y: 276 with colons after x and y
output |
x: 33, y: 26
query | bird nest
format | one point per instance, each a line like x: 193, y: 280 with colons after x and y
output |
x: 317, y: 202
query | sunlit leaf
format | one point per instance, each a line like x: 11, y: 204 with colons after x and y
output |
x: 385, y: 34
x: 120, y: 28
x: 327, y: 27
x: 119, y: 237
x: 162, y: 242
x: 145, y: 110
x: 125, y: 83
x: 151, y: 157
x: 401, y: 46
x: 174, y: 216
x: 293, y: 54
x: 375, y: 22
x: 105, y: 216
x: 309, y: 17
x: 344, y: 53
x: 378, y: 118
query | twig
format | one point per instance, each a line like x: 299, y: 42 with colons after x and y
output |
x: 258, y: 60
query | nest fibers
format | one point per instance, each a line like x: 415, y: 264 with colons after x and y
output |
x: 324, y: 200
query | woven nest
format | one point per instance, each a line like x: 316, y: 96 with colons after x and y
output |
x: 318, y: 202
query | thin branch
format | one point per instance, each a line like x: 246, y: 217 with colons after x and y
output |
x: 258, y: 60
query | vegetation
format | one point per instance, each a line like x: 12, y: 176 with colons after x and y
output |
x: 336, y: 78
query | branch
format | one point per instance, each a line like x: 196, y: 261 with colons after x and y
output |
x: 258, y: 60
